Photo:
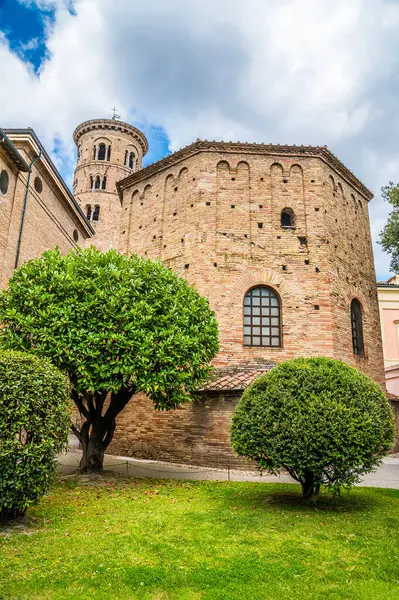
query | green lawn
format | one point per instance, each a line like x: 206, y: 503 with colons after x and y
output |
x: 123, y: 539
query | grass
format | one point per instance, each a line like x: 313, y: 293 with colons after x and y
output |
x: 126, y: 539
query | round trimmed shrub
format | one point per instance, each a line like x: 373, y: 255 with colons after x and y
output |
x: 321, y: 420
x: 34, y: 423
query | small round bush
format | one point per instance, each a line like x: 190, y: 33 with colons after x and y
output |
x: 34, y: 423
x: 321, y: 420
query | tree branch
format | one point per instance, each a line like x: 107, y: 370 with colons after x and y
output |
x: 76, y: 431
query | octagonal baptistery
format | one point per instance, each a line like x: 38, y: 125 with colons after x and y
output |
x: 108, y: 151
x: 278, y: 238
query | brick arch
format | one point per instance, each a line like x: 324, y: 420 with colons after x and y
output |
x: 264, y: 277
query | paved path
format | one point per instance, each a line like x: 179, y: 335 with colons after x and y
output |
x: 386, y: 476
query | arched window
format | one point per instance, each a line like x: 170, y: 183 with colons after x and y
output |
x: 287, y: 217
x: 131, y: 160
x: 94, y: 152
x: 97, y: 184
x: 91, y: 182
x: 357, y: 327
x: 104, y: 182
x: 101, y: 152
x: 126, y: 158
x: 88, y: 211
x: 262, y: 319
x: 109, y: 153
x: 96, y: 213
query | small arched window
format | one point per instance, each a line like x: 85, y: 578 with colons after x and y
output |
x: 104, y: 182
x: 101, y: 152
x: 287, y: 217
x: 131, y: 160
x: 262, y: 319
x: 357, y: 327
x: 109, y: 153
x: 88, y: 212
x: 126, y: 158
x: 94, y: 152
x: 91, y: 182
x: 97, y: 184
x: 96, y: 213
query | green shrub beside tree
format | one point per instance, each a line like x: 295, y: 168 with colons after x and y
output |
x: 34, y: 425
x: 321, y: 420
x: 116, y: 325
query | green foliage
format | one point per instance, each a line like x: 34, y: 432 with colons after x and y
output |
x: 389, y: 237
x: 34, y: 424
x: 321, y: 420
x: 116, y: 325
x: 109, y: 321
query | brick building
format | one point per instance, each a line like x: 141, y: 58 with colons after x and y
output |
x: 277, y: 237
x: 37, y: 209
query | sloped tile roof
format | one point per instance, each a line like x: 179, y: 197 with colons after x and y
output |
x: 235, y: 378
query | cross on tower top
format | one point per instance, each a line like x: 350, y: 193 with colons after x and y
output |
x: 115, y: 115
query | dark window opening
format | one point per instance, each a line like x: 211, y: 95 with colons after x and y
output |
x: 96, y: 213
x: 357, y: 328
x: 88, y: 212
x: 101, y: 152
x: 97, y: 183
x: 109, y: 153
x: 262, y: 322
x: 131, y: 160
x: 316, y: 307
x: 4, y: 179
x: 260, y: 225
x: 38, y: 185
x: 94, y: 152
x: 287, y: 217
x: 75, y: 235
x: 91, y: 182
x: 104, y: 182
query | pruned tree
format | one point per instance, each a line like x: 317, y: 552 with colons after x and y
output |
x: 321, y: 420
x: 116, y: 325
x: 389, y: 237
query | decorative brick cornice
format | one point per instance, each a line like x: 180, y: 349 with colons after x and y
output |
x: 275, y: 150
x: 111, y: 125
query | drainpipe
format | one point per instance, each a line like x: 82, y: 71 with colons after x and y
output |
x: 24, y: 209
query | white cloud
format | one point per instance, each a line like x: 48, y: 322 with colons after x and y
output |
x: 292, y: 71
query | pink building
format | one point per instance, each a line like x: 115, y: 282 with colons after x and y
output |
x: 388, y: 300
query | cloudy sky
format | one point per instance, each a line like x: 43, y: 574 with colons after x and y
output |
x: 286, y: 71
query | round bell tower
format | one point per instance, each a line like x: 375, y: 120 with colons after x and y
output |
x: 108, y: 151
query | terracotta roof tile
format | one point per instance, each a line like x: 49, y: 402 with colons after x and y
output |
x: 235, y: 378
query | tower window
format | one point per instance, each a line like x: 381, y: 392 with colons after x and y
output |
x: 91, y: 182
x: 104, y: 182
x: 262, y: 323
x: 287, y: 217
x: 96, y: 213
x: 88, y: 211
x: 97, y: 183
x: 38, y: 185
x: 109, y: 153
x: 101, y: 152
x: 131, y: 160
x: 357, y: 327
x: 94, y: 152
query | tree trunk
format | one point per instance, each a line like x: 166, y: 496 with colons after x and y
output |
x: 310, y: 488
x: 98, y: 429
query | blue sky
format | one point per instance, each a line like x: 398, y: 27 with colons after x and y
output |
x: 290, y: 72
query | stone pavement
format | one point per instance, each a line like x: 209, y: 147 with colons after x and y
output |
x: 386, y: 476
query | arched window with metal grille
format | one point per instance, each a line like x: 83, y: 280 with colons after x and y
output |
x: 262, y: 317
x: 357, y: 327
